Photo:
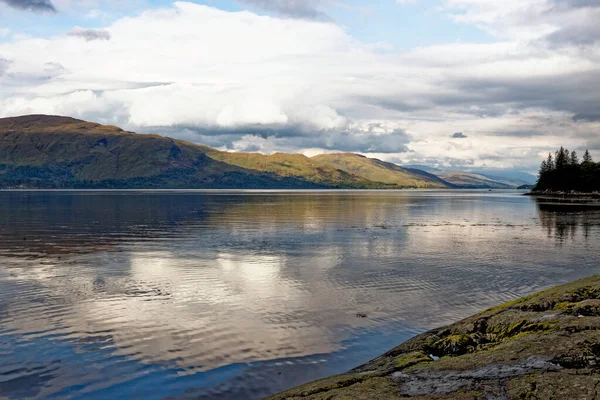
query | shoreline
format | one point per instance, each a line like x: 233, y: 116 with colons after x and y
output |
x: 543, y: 346
x: 559, y: 194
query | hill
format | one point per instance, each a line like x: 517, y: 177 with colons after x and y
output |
x: 39, y: 151
x: 60, y: 152
x: 380, y: 171
x: 476, y: 180
x: 543, y: 346
x: 295, y: 166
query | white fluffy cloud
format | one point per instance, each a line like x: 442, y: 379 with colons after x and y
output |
x: 244, y: 81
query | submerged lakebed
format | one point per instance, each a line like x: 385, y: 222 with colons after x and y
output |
x: 218, y: 294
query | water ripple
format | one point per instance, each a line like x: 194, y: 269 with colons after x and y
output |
x: 188, y: 294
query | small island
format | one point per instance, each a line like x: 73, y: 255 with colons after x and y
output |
x: 564, y: 174
x: 544, y: 346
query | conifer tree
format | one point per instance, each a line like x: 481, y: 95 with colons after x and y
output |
x: 562, y: 158
x: 574, y: 158
x: 543, y: 168
x: 562, y: 172
x: 550, y: 163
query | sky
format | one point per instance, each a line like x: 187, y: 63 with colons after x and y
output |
x: 467, y: 84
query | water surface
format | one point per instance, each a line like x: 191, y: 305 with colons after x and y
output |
x: 231, y: 295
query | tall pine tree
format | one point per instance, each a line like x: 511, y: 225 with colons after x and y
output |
x: 543, y: 168
x: 550, y: 163
x: 562, y: 158
x: 574, y: 158
x: 561, y: 172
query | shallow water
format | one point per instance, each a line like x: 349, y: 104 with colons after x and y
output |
x: 230, y: 295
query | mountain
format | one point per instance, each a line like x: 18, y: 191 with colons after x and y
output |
x: 42, y: 151
x: 511, y: 175
x: 478, y: 180
x: 48, y: 151
x: 380, y: 171
x: 293, y: 166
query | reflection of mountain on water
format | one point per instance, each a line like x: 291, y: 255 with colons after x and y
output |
x: 223, y: 289
x: 569, y: 219
x: 61, y: 223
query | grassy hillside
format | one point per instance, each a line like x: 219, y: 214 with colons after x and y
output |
x: 472, y: 181
x: 480, y: 179
x: 380, y: 171
x: 47, y: 151
x: 42, y: 151
x: 295, y: 166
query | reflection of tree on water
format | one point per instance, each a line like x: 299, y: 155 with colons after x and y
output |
x: 565, y: 219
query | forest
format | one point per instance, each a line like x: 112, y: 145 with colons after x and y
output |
x: 565, y: 172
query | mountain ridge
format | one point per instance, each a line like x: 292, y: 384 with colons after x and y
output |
x: 41, y: 151
x: 475, y: 179
x: 381, y: 171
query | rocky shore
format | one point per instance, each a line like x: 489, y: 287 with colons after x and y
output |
x: 554, y: 193
x: 545, y: 346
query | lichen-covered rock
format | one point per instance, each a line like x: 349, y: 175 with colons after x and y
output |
x: 544, y: 346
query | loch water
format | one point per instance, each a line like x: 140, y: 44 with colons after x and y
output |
x: 238, y: 295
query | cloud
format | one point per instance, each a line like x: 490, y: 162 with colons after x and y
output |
x: 556, y: 22
x: 307, y: 9
x: 459, y: 135
x: 31, y: 5
x: 90, y: 34
x: 3, y: 66
x: 299, y: 84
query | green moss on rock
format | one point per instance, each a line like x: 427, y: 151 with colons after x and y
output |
x: 543, y: 346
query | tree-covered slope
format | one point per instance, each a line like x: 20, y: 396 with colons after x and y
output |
x: 380, y: 171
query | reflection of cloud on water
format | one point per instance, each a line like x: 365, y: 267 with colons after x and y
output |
x: 239, y: 309
x: 205, y: 313
x: 235, y: 280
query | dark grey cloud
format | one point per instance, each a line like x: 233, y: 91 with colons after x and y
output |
x: 304, y: 9
x: 54, y: 69
x: 518, y: 133
x: 90, y: 34
x: 576, y: 3
x: 388, y: 103
x: 3, y: 65
x: 292, y: 138
x: 578, y: 21
x: 459, y: 135
x: 31, y: 5
x: 576, y: 92
x: 358, y: 141
x: 580, y: 34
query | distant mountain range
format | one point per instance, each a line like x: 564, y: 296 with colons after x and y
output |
x: 477, y: 179
x: 40, y: 151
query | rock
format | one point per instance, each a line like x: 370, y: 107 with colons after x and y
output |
x: 544, y: 346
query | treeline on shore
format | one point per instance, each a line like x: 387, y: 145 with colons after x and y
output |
x: 565, y: 172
